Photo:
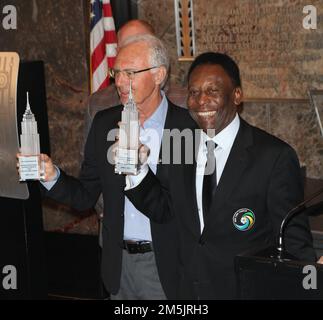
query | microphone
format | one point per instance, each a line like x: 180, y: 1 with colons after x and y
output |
x: 313, y: 210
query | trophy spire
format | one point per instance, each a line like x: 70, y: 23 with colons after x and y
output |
x: 28, y: 115
x: 131, y: 104
x: 29, y: 137
x: 28, y: 105
x: 130, y: 92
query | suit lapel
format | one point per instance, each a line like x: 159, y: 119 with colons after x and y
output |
x: 184, y: 172
x: 161, y: 171
x: 118, y: 179
x: 236, y: 164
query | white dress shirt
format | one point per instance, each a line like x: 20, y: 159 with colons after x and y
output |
x: 224, y: 141
x: 136, y: 224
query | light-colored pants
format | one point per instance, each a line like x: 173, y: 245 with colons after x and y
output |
x: 139, y: 278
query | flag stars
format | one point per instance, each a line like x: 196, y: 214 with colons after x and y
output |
x: 92, y: 15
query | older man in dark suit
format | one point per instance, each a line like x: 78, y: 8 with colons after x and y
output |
x: 108, y: 97
x: 139, y: 257
x: 234, y: 196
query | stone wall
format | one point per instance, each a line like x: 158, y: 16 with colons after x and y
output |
x: 277, y: 56
x: 294, y: 122
x: 277, y: 103
x: 57, y: 33
x: 49, y: 31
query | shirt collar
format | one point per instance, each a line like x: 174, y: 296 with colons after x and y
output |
x: 225, y: 138
x: 157, y: 119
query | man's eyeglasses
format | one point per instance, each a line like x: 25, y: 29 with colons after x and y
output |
x: 115, y: 73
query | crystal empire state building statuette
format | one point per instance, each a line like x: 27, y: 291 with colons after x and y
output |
x: 127, y: 151
x: 30, y: 166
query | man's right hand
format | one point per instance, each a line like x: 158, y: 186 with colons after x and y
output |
x: 47, y: 165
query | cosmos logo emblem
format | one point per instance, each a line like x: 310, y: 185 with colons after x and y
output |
x: 244, y: 219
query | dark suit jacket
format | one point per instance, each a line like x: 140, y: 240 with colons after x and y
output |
x: 97, y: 175
x: 261, y: 174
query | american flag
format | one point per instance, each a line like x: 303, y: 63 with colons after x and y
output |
x: 103, y: 43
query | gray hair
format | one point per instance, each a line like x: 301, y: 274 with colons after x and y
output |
x: 158, y: 54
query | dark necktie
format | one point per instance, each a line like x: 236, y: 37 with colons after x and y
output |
x: 209, y: 180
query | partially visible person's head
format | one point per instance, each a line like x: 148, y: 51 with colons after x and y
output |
x: 132, y: 28
x: 214, y: 91
x: 138, y: 53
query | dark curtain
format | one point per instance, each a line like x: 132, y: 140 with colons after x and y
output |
x: 123, y: 11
